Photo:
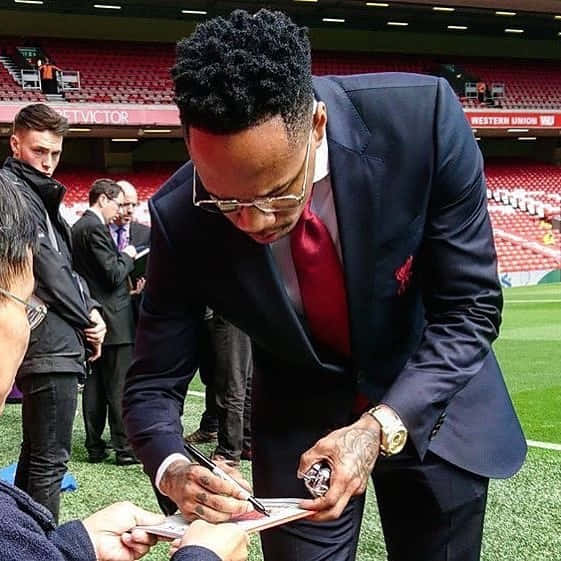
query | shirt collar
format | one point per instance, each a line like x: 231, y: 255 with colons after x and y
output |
x: 113, y: 227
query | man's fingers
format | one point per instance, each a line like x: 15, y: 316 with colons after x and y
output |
x: 207, y: 496
x: 223, y: 504
x: 312, y: 456
x: 330, y: 514
x: 96, y: 354
x: 235, y: 474
x: 204, y: 478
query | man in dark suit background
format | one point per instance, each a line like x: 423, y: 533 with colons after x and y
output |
x: 106, y: 270
x: 348, y: 236
x: 126, y: 230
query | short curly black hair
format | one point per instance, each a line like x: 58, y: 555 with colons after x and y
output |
x: 234, y: 73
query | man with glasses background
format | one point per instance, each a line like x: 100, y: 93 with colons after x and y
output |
x: 125, y: 230
x: 353, y: 245
x: 107, y: 270
x: 55, y: 359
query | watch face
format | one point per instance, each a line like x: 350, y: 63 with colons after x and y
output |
x: 397, y: 441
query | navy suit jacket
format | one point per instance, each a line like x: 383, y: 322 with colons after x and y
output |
x: 420, y: 269
x: 106, y: 271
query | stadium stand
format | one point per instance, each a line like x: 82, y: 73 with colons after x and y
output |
x: 522, y: 193
x: 532, y: 186
x: 128, y: 72
x: 524, y: 196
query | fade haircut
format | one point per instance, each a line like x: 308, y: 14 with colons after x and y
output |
x: 18, y: 234
x: 237, y: 72
x: 106, y: 187
x: 40, y: 117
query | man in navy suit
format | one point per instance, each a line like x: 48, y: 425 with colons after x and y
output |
x: 380, y: 365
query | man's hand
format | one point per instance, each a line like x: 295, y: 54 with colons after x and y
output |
x: 228, y: 541
x: 113, y: 534
x: 198, y: 493
x: 139, y: 286
x: 351, y: 453
x: 95, y: 334
x: 130, y: 250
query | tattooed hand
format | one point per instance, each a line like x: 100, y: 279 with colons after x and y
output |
x: 351, y: 453
x: 200, y: 494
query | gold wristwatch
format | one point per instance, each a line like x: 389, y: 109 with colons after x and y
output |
x: 394, y: 433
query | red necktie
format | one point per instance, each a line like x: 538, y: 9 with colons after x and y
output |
x: 321, y: 282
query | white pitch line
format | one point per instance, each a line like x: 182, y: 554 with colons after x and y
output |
x: 544, y: 445
x: 532, y: 301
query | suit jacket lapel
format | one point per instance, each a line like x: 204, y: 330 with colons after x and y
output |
x: 261, y: 283
x: 355, y: 180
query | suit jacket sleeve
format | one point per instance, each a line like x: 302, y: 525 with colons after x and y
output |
x: 114, y: 268
x: 461, y: 290
x: 166, y: 354
x: 57, y: 286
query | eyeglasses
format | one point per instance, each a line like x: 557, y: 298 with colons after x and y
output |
x: 267, y: 205
x: 120, y: 206
x: 35, y: 308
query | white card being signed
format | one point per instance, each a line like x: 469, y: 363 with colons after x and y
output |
x: 280, y: 511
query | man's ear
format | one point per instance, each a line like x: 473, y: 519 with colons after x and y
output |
x: 320, y: 123
x: 15, y: 145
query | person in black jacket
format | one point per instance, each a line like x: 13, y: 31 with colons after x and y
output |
x: 106, y: 269
x: 55, y: 359
x: 28, y: 532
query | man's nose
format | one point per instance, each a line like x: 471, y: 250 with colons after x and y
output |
x: 251, y: 220
x: 48, y: 162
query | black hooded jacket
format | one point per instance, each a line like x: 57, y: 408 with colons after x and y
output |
x: 57, y: 344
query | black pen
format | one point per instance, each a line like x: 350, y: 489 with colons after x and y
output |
x: 200, y: 458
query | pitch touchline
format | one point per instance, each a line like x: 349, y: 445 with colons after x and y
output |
x: 545, y: 445
x: 532, y: 301
x: 533, y: 443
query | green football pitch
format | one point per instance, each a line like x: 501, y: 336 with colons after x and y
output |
x: 523, y: 519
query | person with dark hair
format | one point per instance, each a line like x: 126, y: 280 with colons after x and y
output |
x: 341, y: 223
x: 106, y: 269
x: 28, y: 531
x: 55, y: 359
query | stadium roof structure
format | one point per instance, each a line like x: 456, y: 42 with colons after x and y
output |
x: 539, y: 19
